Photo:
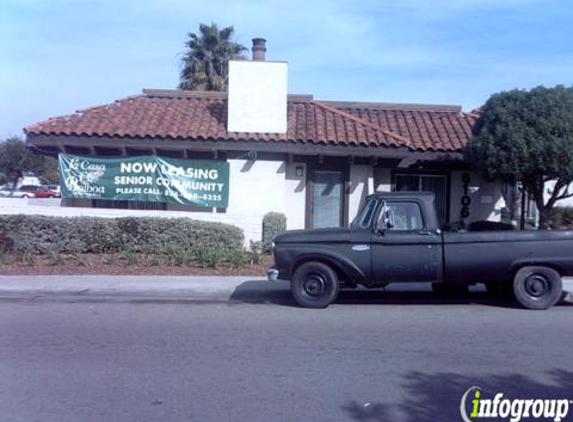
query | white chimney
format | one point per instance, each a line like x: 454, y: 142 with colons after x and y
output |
x: 257, y: 96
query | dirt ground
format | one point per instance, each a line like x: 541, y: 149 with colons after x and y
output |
x: 105, y: 264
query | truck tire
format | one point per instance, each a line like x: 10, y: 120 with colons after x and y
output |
x: 314, y: 285
x: 537, y: 287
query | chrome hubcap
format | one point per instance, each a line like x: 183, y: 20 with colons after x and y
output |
x: 314, y: 285
x: 536, y: 285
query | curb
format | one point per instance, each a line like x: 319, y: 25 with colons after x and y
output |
x: 254, y: 289
x: 182, y: 287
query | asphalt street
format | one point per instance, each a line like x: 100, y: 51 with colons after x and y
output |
x: 373, y: 356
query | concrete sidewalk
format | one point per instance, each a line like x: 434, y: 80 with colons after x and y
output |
x: 183, y: 288
x: 205, y: 288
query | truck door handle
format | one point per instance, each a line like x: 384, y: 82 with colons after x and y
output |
x: 426, y: 232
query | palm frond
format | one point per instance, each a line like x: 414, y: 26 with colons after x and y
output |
x: 205, y: 65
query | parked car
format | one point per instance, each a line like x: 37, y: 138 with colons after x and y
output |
x: 39, y: 191
x: 56, y: 188
x: 396, y: 238
x: 9, y: 193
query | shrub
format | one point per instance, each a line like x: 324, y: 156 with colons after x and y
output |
x: 4, y: 258
x: 80, y: 260
x: 129, y: 256
x: 273, y: 224
x: 255, y: 253
x: 236, y: 258
x: 486, y: 226
x: 153, y: 260
x: 26, y: 258
x: 210, y: 257
x: 54, y: 257
x: 180, y: 256
x: 454, y: 226
x: 41, y: 234
x: 110, y: 259
x: 562, y: 217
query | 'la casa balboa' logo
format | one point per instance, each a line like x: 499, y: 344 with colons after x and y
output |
x: 475, y: 407
x: 82, y: 174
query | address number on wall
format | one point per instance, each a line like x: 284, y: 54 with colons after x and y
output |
x: 466, y: 199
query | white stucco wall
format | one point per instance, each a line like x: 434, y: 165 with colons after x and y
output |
x: 361, y: 184
x: 294, y: 193
x: 485, y: 199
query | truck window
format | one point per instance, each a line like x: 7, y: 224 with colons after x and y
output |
x: 402, y: 216
x: 364, y: 217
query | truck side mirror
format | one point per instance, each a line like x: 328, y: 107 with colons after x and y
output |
x: 388, y: 219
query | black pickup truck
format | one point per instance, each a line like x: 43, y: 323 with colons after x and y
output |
x: 396, y: 238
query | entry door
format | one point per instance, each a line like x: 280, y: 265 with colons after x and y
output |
x: 326, y: 201
x: 405, y: 251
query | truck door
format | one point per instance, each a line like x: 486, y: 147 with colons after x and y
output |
x: 402, y: 248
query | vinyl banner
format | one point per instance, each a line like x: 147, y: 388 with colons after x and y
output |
x: 146, y: 178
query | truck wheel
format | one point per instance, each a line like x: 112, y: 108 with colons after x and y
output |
x: 314, y: 285
x: 537, y: 287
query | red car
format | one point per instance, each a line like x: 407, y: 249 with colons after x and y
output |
x: 39, y: 191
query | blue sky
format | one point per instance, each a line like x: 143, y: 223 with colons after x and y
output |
x: 57, y: 56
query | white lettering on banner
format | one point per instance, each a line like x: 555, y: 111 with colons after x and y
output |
x: 137, y: 167
x: 137, y: 191
x: 188, y: 184
x: 92, y: 167
x: 211, y: 174
x: 132, y: 180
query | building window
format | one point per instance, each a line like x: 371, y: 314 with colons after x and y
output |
x: 326, y: 200
x: 435, y: 183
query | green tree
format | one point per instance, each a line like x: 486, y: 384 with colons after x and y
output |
x: 205, y: 66
x: 527, y: 136
x: 16, y: 159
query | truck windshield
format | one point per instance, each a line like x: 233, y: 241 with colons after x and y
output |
x: 365, y: 215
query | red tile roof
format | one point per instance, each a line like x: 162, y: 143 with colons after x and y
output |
x: 203, y: 116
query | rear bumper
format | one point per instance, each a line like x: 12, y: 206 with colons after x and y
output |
x: 272, y: 274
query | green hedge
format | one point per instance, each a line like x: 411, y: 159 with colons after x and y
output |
x: 562, y: 217
x: 487, y: 226
x: 273, y: 224
x: 42, y: 234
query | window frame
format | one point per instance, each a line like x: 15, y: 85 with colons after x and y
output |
x: 310, y: 181
x: 382, y: 207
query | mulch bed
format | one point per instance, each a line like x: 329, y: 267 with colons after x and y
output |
x: 83, y: 264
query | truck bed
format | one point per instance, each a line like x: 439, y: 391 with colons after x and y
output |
x: 474, y: 257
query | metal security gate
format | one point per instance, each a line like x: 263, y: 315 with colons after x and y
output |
x: 425, y: 183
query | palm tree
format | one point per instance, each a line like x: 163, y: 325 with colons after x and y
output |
x: 206, y: 64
